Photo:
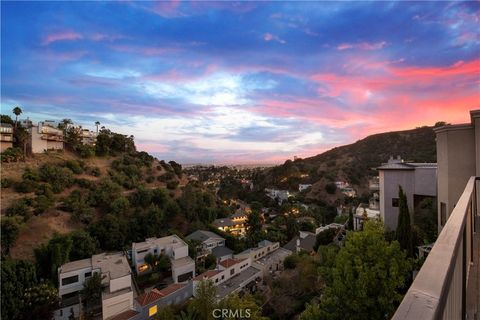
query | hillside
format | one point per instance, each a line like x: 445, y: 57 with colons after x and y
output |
x: 354, y: 163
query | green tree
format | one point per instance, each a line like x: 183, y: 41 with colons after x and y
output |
x: 325, y: 237
x: 210, y: 261
x: 254, y: 228
x: 92, y: 291
x: 369, y: 272
x: 17, y: 111
x: 52, y: 255
x: 17, y: 275
x: 83, y: 245
x: 426, y: 220
x: 40, y: 301
x: 404, y: 228
x: 205, y: 300
x: 311, y: 312
x: 10, y: 229
x: 350, y: 219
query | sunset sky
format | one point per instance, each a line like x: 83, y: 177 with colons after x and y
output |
x: 242, y: 82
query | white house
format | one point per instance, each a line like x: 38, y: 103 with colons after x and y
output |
x: 183, y: 267
x: 302, y: 187
x: 117, y: 295
x: 45, y: 136
x: 418, y: 180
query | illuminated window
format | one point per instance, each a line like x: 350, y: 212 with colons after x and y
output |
x: 143, y: 268
x: 152, y: 311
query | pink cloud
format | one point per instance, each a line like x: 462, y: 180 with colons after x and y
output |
x: 270, y: 37
x: 145, y: 50
x: 61, y: 36
x: 362, y: 46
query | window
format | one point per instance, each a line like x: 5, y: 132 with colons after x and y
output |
x: 395, y: 202
x: 216, y: 280
x: 155, y: 251
x: 142, y: 251
x: 152, y: 311
x: 143, y: 267
x: 69, y: 280
x: 88, y: 274
x: 443, y: 213
x: 232, y: 271
x: 223, y: 277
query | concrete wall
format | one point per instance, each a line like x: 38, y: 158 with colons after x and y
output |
x: 73, y: 287
x: 39, y: 145
x: 426, y: 181
x: 178, y: 271
x: 64, y: 313
x: 456, y: 157
x: 390, y: 180
x: 117, y: 304
x: 180, y: 252
x: 120, y: 283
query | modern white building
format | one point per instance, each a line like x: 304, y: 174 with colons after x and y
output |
x: 458, y: 158
x: 117, y: 295
x: 6, y: 136
x: 183, y: 267
x: 88, y: 137
x: 263, y: 248
x: 418, y: 180
x: 45, y: 136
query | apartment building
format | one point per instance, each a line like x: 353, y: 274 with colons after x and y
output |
x: 45, y: 136
x: 6, y: 136
x: 418, y: 181
x: 183, y: 267
x: 117, y: 295
x: 458, y: 158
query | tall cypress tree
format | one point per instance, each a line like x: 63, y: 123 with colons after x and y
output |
x: 350, y: 219
x: 404, y: 228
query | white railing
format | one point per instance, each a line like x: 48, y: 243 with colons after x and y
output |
x: 440, y: 288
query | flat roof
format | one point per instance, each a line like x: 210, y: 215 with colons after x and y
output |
x: 280, y: 252
x: 114, y: 264
x: 76, y: 265
x: 236, y: 282
x: 182, y: 261
x: 173, y: 240
x: 203, y: 235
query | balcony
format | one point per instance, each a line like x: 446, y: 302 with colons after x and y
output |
x: 446, y: 287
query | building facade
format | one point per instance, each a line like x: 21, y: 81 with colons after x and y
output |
x: 117, y: 294
x: 45, y: 136
x: 458, y: 157
x: 183, y: 267
x: 418, y: 180
x: 6, y: 136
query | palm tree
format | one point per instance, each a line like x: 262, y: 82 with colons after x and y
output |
x: 16, y: 111
x: 97, y: 123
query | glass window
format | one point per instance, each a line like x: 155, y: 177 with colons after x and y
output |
x: 395, y: 202
x: 69, y: 280
x: 88, y: 274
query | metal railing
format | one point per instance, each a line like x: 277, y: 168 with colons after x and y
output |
x: 440, y: 288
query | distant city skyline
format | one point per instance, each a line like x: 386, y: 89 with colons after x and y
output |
x: 242, y: 82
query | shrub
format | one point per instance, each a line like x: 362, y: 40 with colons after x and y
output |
x: 25, y: 186
x: 120, y: 205
x: 42, y: 203
x: 84, y: 183
x: 60, y: 178
x: 331, y: 188
x: 150, y: 179
x: 6, y: 183
x: 74, y: 166
x: 95, y: 171
x: 19, y: 208
x: 44, y: 189
x: 11, y: 155
x: 172, y: 185
x: 291, y: 261
x: 30, y: 174
x: 85, y: 151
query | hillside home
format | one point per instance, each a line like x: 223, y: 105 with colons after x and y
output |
x: 305, y: 241
x: 276, y: 194
x: 418, y: 181
x: 183, y: 267
x: 88, y: 137
x: 209, y: 243
x: 45, y: 136
x: 117, y: 295
x: 6, y: 136
x: 235, y: 223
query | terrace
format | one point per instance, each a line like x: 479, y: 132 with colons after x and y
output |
x: 447, y: 285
